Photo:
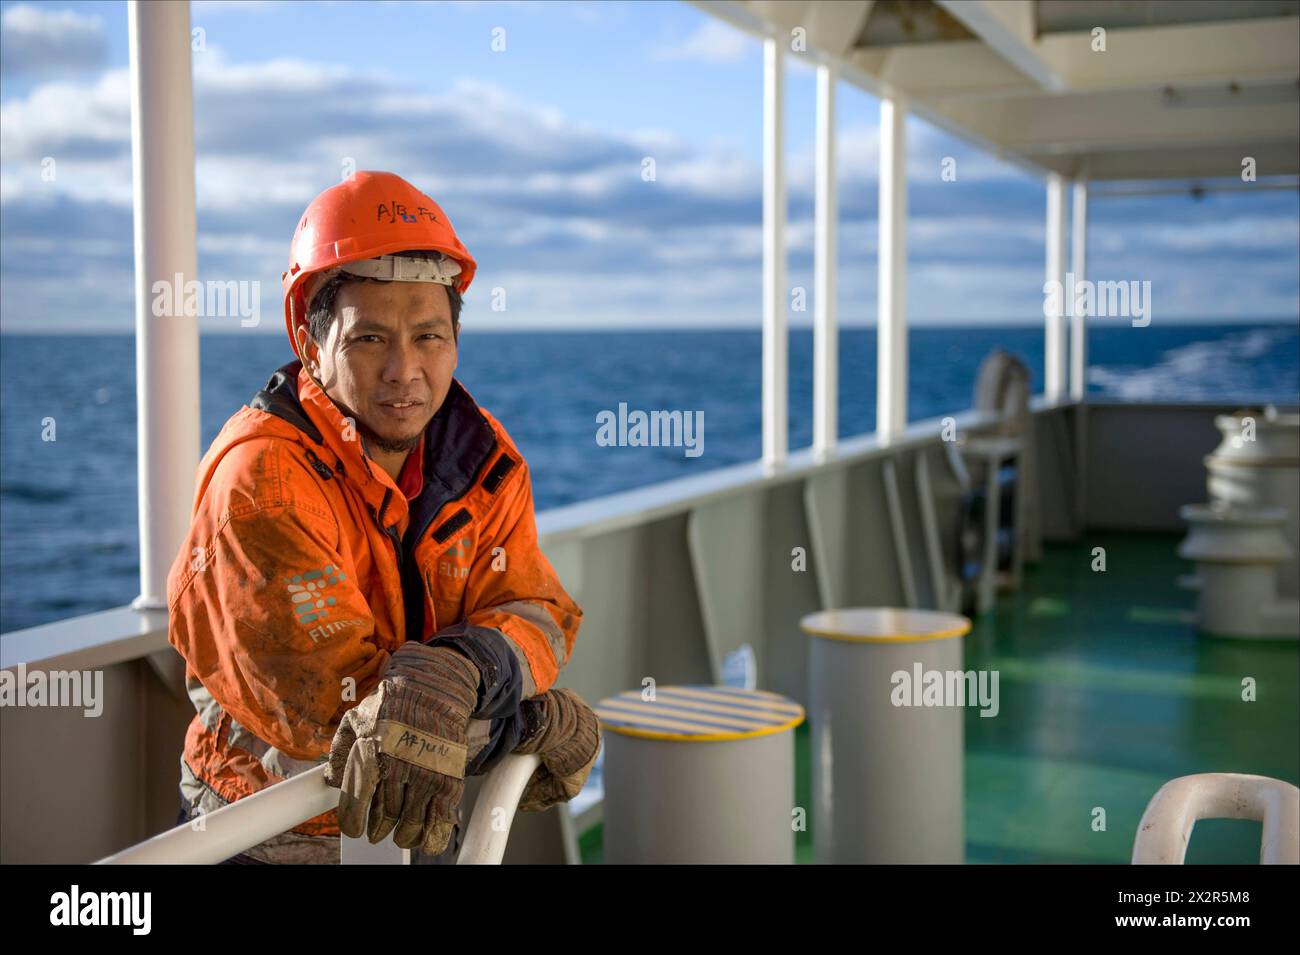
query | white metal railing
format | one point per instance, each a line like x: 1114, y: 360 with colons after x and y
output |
x: 218, y: 835
x: 776, y: 337
x: 166, y: 345
x: 1166, y: 825
x: 494, y: 811
x: 891, y: 273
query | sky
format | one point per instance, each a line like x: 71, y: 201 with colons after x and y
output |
x: 536, y: 151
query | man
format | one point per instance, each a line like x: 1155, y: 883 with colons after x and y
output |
x: 362, y: 583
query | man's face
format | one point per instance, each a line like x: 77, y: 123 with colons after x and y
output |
x: 388, y: 359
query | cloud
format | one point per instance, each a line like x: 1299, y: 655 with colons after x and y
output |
x: 68, y: 120
x: 38, y: 40
x: 557, y: 211
x: 711, y: 42
x: 1241, y: 233
x: 528, y: 187
x: 199, y: 8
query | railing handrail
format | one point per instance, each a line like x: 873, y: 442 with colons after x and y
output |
x: 218, y: 835
x: 663, y: 499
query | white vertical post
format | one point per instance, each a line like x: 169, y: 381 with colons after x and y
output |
x: 891, y: 308
x: 825, y: 254
x: 1079, y: 268
x: 775, y: 335
x: 1054, y: 363
x: 167, y: 346
x: 1079, y: 353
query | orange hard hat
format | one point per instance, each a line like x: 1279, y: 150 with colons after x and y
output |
x: 367, y: 215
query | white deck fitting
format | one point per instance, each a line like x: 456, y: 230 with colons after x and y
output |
x: 887, y: 780
x: 1166, y: 825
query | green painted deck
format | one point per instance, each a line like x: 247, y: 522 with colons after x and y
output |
x: 1107, y: 692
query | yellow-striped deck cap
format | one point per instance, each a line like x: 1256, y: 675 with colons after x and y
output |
x: 698, y: 714
x: 885, y: 625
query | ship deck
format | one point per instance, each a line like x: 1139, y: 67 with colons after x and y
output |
x: 1106, y: 693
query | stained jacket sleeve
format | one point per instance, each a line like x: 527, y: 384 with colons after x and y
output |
x: 520, y: 624
x: 264, y: 607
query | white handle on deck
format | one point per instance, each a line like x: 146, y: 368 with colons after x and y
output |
x: 218, y: 835
x: 1167, y: 823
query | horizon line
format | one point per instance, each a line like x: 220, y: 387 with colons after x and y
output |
x: 569, y: 329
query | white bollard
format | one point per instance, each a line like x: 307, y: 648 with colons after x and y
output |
x: 1257, y: 465
x: 1237, y: 552
x: 700, y: 775
x: 888, y: 781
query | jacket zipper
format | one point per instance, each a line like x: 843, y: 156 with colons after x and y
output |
x: 391, y: 534
x: 402, y: 558
x: 405, y: 566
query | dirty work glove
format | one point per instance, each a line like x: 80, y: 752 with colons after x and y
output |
x: 567, y: 738
x: 398, y: 757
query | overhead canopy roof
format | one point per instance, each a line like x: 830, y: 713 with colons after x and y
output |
x: 1182, y: 89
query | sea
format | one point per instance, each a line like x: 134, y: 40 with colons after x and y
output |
x: 68, y: 510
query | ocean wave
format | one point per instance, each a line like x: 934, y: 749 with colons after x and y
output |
x: 1227, y: 368
x: 34, y: 493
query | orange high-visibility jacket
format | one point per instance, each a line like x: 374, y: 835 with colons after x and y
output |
x: 305, y: 567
